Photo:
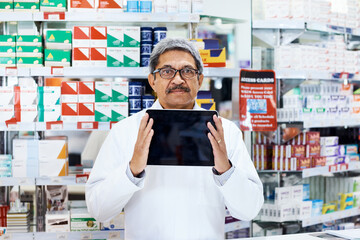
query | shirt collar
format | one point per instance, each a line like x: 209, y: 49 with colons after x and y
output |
x: 157, y: 105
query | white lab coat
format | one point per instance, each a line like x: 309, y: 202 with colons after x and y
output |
x: 173, y: 202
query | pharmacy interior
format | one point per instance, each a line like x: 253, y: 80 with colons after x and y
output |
x: 70, y: 70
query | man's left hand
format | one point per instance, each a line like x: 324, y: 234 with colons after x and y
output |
x: 216, y: 137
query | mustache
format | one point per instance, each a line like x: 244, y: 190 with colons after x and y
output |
x: 178, y: 87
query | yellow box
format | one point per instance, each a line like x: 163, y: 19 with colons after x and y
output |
x: 346, y: 201
x: 213, y: 57
x: 328, y: 208
x: 208, y: 104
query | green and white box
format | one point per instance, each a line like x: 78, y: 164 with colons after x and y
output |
x: 6, y: 6
x: 58, y: 39
x: 49, y: 113
x: 7, y: 51
x: 29, y: 40
x: 57, y: 57
x: 131, y: 57
x: 7, y: 40
x: 119, y: 111
x: 115, y: 36
x: 132, y: 37
x: 26, y: 6
x: 29, y: 51
x: 53, y: 5
x: 49, y: 95
x: 120, y: 91
x: 7, y: 61
x: 29, y: 61
x: 81, y: 220
x: 115, y: 57
x: 103, y: 91
x: 103, y: 112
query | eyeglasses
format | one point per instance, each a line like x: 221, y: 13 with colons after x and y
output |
x: 169, y: 73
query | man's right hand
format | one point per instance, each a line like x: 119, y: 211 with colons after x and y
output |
x: 141, y: 149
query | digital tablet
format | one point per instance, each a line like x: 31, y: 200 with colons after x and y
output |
x: 180, y: 137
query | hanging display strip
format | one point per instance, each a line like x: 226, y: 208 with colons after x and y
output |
x: 257, y: 100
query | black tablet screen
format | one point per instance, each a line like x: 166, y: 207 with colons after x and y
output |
x: 180, y: 138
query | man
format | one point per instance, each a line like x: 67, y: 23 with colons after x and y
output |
x: 173, y: 202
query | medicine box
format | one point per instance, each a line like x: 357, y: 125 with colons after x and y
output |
x: 115, y: 57
x: 6, y: 95
x: 98, y: 56
x: 49, y: 113
x: 53, y: 149
x: 131, y: 57
x: 57, y: 57
x: 86, y: 112
x: 98, y: 36
x: 81, y: 5
x: 29, y: 40
x: 117, y: 223
x: 69, y: 92
x: 57, y: 221
x: 7, y: 61
x: 103, y: 91
x: 69, y: 112
x: 53, y: 5
x: 26, y: 6
x: 86, y: 91
x: 6, y: 112
x: 7, y: 51
x: 110, y: 6
x: 6, y: 6
x: 49, y: 95
x: 58, y: 39
x: 81, y: 220
x: 25, y: 158
x: 29, y: 51
x: 103, y: 112
x: 132, y: 37
x: 7, y: 40
x: 120, y: 91
x: 115, y: 36
x: 81, y: 56
x: 81, y: 36
x: 25, y: 113
x: 119, y: 111
x: 29, y: 61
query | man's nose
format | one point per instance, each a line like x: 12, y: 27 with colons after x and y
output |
x: 177, y: 79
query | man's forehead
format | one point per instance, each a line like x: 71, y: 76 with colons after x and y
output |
x: 176, y: 59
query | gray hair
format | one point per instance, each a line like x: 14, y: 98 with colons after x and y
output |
x: 169, y: 44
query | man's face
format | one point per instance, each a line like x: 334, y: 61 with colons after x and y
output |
x: 176, y: 93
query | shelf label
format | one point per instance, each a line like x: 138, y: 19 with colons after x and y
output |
x: 86, y: 236
x: 23, y: 181
x: 333, y: 168
x: 54, y: 16
x: 82, y: 178
x: 145, y: 17
x: 7, y: 236
x: 13, y: 127
x: 88, y: 125
x: 11, y: 71
x: 114, y: 235
x: 194, y: 17
x: 344, y: 167
x: 56, y: 180
x: 56, y: 125
x: 112, y: 124
x: 61, y: 236
x: 57, y: 71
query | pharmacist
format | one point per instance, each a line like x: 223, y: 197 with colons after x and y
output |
x: 173, y: 202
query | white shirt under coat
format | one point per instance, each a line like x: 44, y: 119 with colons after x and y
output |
x: 173, y: 202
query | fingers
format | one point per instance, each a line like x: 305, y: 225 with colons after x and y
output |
x: 213, y: 142
x: 218, y: 124
x: 148, y: 138
x: 143, y: 122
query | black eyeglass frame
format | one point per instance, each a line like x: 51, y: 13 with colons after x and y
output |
x: 197, y: 72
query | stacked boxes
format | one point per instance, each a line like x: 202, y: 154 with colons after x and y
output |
x: 5, y: 165
x: 6, y: 5
x: 58, y: 48
x: 25, y: 108
x: 7, y: 103
x: 49, y: 107
x: 120, y: 100
x: 123, y: 46
x: 26, y: 6
x: 69, y: 101
x: 7, y: 51
x: 53, y: 5
x: 86, y: 99
x: 89, y: 46
x: 25, y: 158
x: 29, y: 51
x: 81, y: 220
x: 57, y: 221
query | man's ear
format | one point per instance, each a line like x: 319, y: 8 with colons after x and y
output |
x: 201, y: 78
x: 151, y: 81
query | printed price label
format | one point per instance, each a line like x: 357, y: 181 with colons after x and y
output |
x: 54, y: 16
x: 87, y: 125
x: 23, y: 181
x: 7, y: 236
x: 57, y: 71
x: 61, y: 236
x: 58, y: 125
x: 86, y: 236
x: 11, y: 71
x: 114, y: 235
x: 13, y: 127
x: 194, y: 17
x: 56, y: 180
x: 333, y: 168
x: 112, y: 124
x: 344, y: 167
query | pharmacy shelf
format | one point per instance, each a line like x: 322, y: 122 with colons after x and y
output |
x: 12, y: 181
x: 66, y: 180
x: 140, y: 72
x: 310, y: 74
x: 65, y: 126
x: 66, y: 235
x: 302, y: 25
x: 17, y: 236
x: 310, y: 172
x: 331, y: 217
x: 101, y: 17
x: 318, y: 123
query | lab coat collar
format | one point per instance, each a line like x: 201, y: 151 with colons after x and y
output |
x: 157, y: 105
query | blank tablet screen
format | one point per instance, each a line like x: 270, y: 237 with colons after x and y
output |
x: 180, y: 138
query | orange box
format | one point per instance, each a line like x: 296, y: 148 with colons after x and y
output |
x: 303, y: 163
x: 98, y: 37
x: 313, y: 150
x: 298, y: 151
x: 86, y: 91
x: 98, y: 56
x: 81, y: 56
x: 86, y: 112
x: 81, y: 36
x: 318, y: 161
x: 69, y: 112
x: 69, y: 92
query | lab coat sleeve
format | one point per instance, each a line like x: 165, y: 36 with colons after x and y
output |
x: 243, y: 191
x: 109, y: 188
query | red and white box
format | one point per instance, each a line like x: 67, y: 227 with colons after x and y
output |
x: 26, y: 113
x: 86, y: 112
x: 69, y: 92
x: 81, y: 57
x: 98, y: 36
x: 81, y: 5
x: 86, y: 91
x: 98, y: 56
x: 110, y: 6
x: 69, y: 112
x: 313, y: 150
x: 81, y: 36
x: 6, y: 112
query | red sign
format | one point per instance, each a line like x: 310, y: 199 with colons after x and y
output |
x: 257, y: 100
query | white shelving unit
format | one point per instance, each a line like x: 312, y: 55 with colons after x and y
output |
x: 309, y: 74
x: 12, y: 181
x: 100, y: 17
x: 331, y: 217
x: 311, y: 172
